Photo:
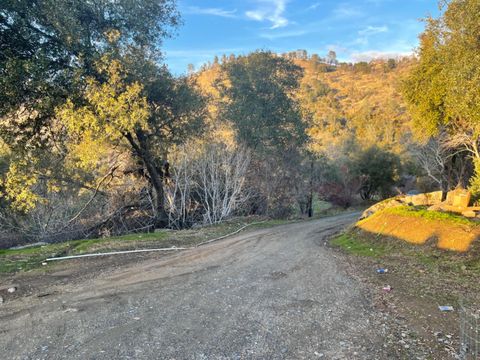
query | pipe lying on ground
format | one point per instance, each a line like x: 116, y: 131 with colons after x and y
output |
x: 224, y: 236
x: 114, y: 253
x: 152, y: 250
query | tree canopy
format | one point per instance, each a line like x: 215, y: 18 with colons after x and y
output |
x: 259, y: 100
x: 442, y: 90
x: 49, y: 47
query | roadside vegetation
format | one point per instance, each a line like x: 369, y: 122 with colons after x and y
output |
x: 26, y: 258
x: 32, y: 257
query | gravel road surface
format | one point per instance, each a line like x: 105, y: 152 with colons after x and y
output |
x: 276, y: 293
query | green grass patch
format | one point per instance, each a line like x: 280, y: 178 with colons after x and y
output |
x: 422, y: 212
x: 462, y: 266
x: 416, y: 271
x: 12, y: 260
x: 358, y: 246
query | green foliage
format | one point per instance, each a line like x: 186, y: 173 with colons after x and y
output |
x: 51, y: 46
x: 362, y: 67
x: 58, y: 51
x: 429, y: 215
x: 259, y: 90
x: 379, y: 169
x: 356, y: 246
x: 130, y: 118
x: 390, y: 65
x: 114, y: 108
x: 425, y: 87
x: 18, y: 187
x: 474, y: 184
x: 442, y: 90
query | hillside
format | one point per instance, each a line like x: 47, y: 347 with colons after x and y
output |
x: 366, y: 96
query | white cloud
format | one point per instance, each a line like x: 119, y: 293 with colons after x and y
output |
x: 345, y: 11
x: 372, y: 30
x: 374, y: 54
x: 313, y: 6
x: 270, y: 10
x: 284, y: 34
x: 211, y: 11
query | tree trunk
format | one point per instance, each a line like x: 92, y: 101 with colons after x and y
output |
x: 310, y: 195
x: 155, y: 175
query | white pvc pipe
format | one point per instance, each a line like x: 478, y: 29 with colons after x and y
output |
x: 113, y: 253
x: 151, y: 250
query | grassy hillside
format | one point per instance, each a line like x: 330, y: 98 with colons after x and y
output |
x: 366, y: 95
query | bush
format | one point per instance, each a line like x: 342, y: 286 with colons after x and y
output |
x: 341, y: 186
x: 380, y: 170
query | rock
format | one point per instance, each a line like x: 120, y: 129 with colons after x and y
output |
x: 462, y: 198
x: 459, y: 198
x: 435, y: 207
x: 419, y: 200
x: 1, y: 300
x: 11, y: 290
x: 435, y: 197
x: 68, y: 310
x: 469, y: 213
x: 450, y: 196
x: 389, y: 203
x: 428, y: 199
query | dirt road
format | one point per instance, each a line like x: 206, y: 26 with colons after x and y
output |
x: 275, y: 293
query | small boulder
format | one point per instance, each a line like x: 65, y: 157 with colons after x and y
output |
x: 469, y: 213
x: 436, y: 207
x: 434, y: 197
x: 462, y: 200
x: 427, y: 199
x: 419, y: 200
x: 389, y: 203
x: 11, y: 290
x: 459, y: 198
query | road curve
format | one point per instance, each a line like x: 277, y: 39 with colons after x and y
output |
x: 274, y: 293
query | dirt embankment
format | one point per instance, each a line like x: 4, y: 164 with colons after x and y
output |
x: 447, y: 231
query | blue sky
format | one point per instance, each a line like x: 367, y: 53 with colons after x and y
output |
x: 356, y: 30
